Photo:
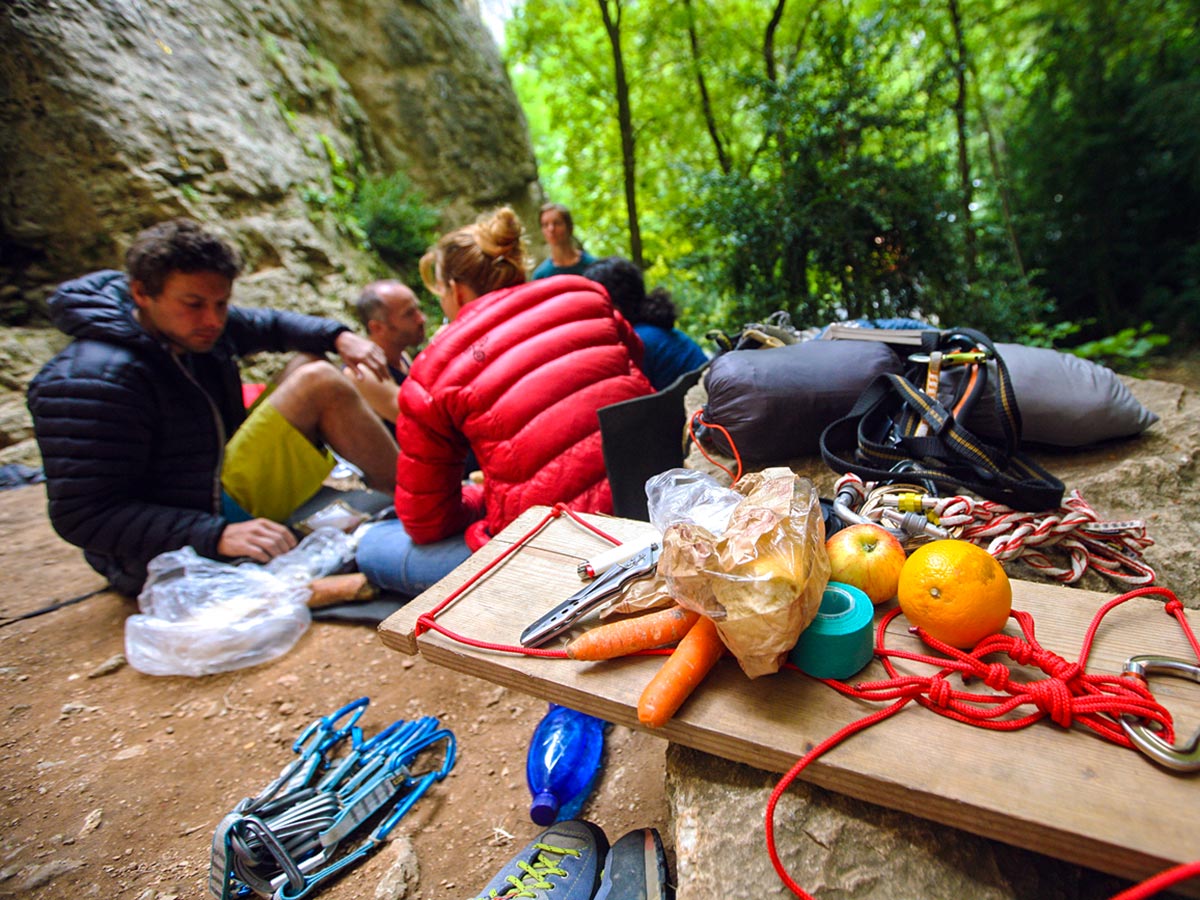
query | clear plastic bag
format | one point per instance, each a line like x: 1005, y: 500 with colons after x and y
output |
x: 686, y: 495
x: 199, y: 616
x: 324, y: 552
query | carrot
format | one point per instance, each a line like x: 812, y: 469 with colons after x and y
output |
x: 695, y: 656
x: 656, y: 629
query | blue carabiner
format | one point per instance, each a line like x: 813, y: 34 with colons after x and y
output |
x: 421, y: 783
x: 325, y: 729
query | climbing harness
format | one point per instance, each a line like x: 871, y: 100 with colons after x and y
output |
x: 897, y: 419
x: 285, y: 842
x: 915, y: 513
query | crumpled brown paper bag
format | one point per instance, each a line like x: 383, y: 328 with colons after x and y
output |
x: 761, y: 581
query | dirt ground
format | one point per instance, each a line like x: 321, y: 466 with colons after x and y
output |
x: 113, y: 781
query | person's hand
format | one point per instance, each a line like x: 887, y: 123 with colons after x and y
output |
x: 357, y: 352
x: 260, y: 539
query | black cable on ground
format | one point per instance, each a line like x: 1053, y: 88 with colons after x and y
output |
x: 54, y: 606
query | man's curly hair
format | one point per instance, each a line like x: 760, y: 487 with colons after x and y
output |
x: 178, y: 245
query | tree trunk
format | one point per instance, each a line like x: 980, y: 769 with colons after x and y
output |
x: 625, y: 120
x: 1001, y: 177
x: 960, y: 122
x: 705, y: 103
x: 769, y: 41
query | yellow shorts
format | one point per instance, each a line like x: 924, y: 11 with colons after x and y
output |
x: 270, y: 467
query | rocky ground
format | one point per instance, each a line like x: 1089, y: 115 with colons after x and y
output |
x: 114, y: 781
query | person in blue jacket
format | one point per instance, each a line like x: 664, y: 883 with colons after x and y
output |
x: 669, y: 352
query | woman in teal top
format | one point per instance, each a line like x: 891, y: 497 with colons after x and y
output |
x: 567, y: 256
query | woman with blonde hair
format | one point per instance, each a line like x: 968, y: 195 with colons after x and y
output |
x: 517, y: 376
x: 567, y: 256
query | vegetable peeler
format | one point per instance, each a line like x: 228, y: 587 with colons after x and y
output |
x: 583, y: 601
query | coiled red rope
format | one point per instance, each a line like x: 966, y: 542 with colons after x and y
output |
x: 1067, y: 696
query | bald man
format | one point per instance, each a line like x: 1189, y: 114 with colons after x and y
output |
x: 393, y: 320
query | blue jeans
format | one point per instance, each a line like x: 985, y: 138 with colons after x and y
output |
x: 390, y: 559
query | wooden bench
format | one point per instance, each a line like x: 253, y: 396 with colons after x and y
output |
x: 1081, y: 799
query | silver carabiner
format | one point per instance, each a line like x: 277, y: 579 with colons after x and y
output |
x: 1180, y: 757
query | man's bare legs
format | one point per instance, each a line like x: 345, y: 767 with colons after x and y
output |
x: 322, y: 404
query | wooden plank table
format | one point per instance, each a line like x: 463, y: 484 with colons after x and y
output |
x: 1066, y: 793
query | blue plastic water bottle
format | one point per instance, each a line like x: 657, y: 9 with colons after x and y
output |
x: 563, y: 764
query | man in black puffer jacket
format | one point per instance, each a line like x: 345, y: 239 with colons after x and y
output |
x: 145, y: 441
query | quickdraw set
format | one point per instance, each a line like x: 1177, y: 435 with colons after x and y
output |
x: 1060, y: 543
x: 295, y: 835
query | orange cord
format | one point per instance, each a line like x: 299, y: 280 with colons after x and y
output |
x: 728, y: 437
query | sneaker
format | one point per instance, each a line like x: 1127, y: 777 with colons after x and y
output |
x: 636, y: 869
x: 565, y: 859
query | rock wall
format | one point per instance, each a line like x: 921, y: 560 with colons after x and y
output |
x: 248, y: 116
x: 254, y: 117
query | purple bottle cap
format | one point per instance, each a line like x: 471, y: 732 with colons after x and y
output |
x: 544, y: 808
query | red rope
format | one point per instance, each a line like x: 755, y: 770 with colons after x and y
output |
x: 428, y: 621
x: 1067, y: 696
x: 1160, y: 882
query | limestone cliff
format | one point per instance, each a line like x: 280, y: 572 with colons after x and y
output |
x: 251, y: 116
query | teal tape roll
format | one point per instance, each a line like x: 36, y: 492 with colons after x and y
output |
x: 841, y: 639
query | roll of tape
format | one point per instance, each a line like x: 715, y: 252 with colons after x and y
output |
x: 840, y: 641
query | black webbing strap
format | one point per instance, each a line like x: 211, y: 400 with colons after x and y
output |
x: 884, y: 429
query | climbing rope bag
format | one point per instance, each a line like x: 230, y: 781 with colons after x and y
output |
x: 901, y: 422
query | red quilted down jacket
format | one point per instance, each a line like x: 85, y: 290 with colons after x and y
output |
x: 518, y: 376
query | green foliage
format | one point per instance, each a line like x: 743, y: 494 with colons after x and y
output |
x: 1039, y: 334
x: 397, y: 223
x: 1129, y: 350
x: 335, y: 198
x: 1106, y: 158
x: 823, y: 224
x: 844, y: 193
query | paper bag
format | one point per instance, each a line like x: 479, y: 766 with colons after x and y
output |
x: 761, y: 580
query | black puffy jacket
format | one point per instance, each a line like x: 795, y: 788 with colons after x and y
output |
x: 132, y: 435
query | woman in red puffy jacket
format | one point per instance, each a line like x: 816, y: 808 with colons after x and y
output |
x: 517, y: 376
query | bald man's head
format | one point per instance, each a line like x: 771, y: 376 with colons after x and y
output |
x: 392, y: 317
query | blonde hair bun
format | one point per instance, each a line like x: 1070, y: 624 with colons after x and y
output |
x: 502, y: 236
x: 486, y: 256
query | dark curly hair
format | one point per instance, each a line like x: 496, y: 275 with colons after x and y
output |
x: 178, y: 245
x: 623, y: 281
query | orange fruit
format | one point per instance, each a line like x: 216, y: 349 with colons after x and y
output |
x: 956, y: 591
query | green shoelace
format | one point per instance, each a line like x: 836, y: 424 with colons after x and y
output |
x: 535, y: 877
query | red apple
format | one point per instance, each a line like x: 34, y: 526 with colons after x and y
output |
x: 866, y: 557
